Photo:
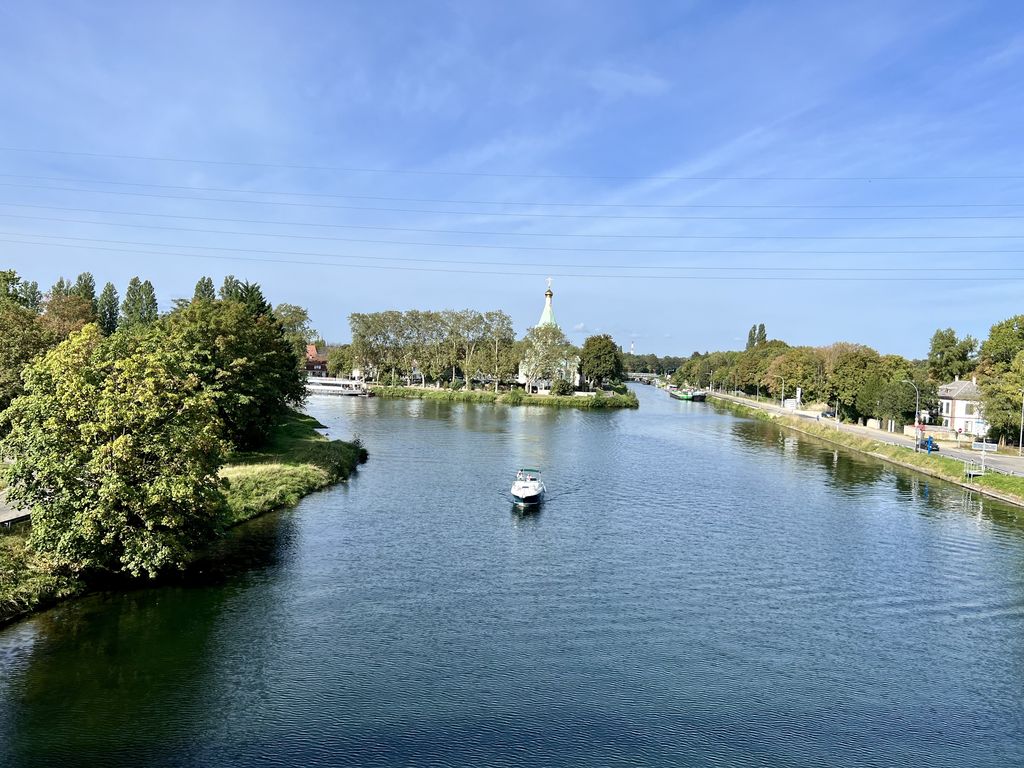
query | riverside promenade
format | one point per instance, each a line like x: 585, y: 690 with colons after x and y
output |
x: 1010, y: 465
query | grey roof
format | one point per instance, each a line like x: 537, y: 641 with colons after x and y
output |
x: 960, y: 390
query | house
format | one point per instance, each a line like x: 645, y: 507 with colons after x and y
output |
x: 960, y: 408
x: 316, y: 363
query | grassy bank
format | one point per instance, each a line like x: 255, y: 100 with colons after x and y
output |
x: 516, y: 397
x: 296, y: 461
x: 1003, y: 487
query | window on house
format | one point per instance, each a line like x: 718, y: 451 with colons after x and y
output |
x: 971, y: 409
x: 945, y: 407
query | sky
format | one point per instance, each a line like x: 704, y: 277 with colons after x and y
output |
x: 681, y: 170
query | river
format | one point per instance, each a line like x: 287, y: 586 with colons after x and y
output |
x: 698, y: 589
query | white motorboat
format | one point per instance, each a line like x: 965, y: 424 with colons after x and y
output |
x: 528, y: 488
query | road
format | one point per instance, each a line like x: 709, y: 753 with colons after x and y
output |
x: 1011, y: 465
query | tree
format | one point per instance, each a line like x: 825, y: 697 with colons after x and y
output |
x: 116, y: 450
x: 139, y: 306
x: 295, y: 322
x: 500, y: 358
x: 23, y: 336
x: 1001, y: 399
x: 61, y: 288
x: 85, y: 289
x: 244, y: 360
x: 204, y: 290
x: 107, y: 309
x: 762, y: 335
x: 67, y: 313
x: 229, y: 288
x: 20, y: 292
x: 751, y: 337
x: 949, y: 357
x: 339, y: 361
x: 547, y: 354
x: 601, y: 360
x: 1004, y: 341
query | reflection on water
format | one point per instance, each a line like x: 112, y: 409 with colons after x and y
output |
x: 697, y: 589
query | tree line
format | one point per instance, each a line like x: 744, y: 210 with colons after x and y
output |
x: 444, y: 347
x: 115, y: 424
x: 862, y: 383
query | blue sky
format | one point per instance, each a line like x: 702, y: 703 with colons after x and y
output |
x: 680, y: 169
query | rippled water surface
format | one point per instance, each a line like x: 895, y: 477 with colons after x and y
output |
x: 699, y: 589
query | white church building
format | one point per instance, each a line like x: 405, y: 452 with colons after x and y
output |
x: 570, y: 369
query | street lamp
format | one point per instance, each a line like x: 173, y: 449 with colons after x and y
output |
x: 1020, y: 442
x: 917, y: 411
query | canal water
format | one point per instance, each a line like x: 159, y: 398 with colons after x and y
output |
x: 698, y: 589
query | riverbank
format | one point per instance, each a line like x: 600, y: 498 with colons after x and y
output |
x: 296, y: 461
x: 1006, y: 488
x: 516, y: 397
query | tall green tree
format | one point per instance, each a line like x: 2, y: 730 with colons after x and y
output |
x: 601, y: 360
x: 949, y: 357
x: 204, y: 290
x: 244, y: 360
x: 752, y: 337
x: 20, y: 292
x: 1001, y: 399
x: 116, y: 449
x: 1005, y: 340
x: 107, y: 309
x: 65, y: 314
x: 139, y: 306
x: 23, y: 336
x: 762, y: 334
x: 85, y: 289
x: 61, y: 288
x: 297, y: 328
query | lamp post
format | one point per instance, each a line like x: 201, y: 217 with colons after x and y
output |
x: 917, y: 412
x: 1020, y: 442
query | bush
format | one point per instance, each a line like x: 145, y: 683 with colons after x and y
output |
x: 515, y: 397
x: 457, y: 385
x: 561, y: 388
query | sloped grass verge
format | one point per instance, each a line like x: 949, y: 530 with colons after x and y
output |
x: 1008, y: 488
x: 296, y: 461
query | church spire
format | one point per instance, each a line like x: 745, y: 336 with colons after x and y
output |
x: 547, y: 317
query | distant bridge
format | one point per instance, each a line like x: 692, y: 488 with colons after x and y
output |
x: 646, y: 377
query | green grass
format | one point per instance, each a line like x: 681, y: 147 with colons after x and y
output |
x: 1008, y: 487
x: 627, y: 400
x: 296, y: 461
x: 444, y: 395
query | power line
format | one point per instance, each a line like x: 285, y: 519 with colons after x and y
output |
x: 417, y: 260
x: 385, y: 209
x: 493, y: 246
x: 1014, y: 217
x: 694, y: 278
x: 458, y: 201
x: 476, y: 174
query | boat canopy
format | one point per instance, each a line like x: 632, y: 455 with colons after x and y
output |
x: 527, y: 469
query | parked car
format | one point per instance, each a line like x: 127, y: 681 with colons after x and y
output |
x: 828, y: 413
x: 922, y: 444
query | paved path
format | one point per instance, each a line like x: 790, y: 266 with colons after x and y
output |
x: 9, y: 514
x: 1011, y: 465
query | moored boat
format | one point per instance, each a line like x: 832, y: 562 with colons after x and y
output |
x: 528, y: 488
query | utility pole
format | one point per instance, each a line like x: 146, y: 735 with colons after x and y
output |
x: 917, y: 413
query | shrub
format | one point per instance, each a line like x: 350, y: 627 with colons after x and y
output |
x: 515, y: 397
x: 561, y: 388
